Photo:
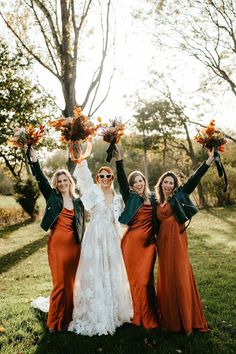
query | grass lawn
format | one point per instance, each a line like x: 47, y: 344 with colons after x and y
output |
x: 24, y: 275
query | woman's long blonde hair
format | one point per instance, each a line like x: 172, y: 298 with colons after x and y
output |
x: 65, y: 172
x: 131, y: 178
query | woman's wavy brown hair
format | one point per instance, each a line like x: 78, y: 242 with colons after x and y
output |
x: 158, y: 188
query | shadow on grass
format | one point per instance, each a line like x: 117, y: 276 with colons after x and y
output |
x: 9, y: 260
x: 222, y: 214
x: 128, y: 339
x: 7, y: 230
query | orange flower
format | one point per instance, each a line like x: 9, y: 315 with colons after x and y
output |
x: 210, y: 128
x: 26, y: 136
x: 77, y: 111
x: 77, y: 127
x: 210, y: 138
x: 221, y: 148
x: 113, y: 132
x: 57, y: 124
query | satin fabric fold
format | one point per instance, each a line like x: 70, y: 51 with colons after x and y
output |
x: 179, y: 302
x: 139, y: 257
x: 63, y: 257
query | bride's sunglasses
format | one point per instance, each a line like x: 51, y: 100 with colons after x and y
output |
x: 103, y: 176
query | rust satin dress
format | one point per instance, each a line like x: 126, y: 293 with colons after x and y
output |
x: 63, y: 256
x: 139, y: 257
x: 178, y: 299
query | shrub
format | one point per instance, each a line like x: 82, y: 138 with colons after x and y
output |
x: 6, y: 184
x: 26, y: 194
x: 11, y: 216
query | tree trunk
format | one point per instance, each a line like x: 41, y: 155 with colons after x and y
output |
x: 145, y: 159
x: 201, y: 198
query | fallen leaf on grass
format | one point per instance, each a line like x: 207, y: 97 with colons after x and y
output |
x: 2, y: 329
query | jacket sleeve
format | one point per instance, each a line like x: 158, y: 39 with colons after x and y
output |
x: 122, y: 180
x: 90, y: 192
x: 42, y: 180
x: 195, y: 178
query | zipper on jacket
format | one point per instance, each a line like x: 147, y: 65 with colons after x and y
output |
x: 189, y: 205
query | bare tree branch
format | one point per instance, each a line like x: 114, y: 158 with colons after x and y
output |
x: 104, y: 54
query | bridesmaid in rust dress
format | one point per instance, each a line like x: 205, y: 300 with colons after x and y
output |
x: 138, y: 243
x: 178, y: 298
x: 64, y: 216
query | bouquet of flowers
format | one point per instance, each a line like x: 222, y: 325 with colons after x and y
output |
x: 212, y: 138
x: 111, y: 134
x: 74, y: 130
x: 26, y: 136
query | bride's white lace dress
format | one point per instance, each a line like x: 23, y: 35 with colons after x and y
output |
x: 102, y: 300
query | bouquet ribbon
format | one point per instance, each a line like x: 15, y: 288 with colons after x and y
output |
x: 110, y: 150
x: 220, y: 169
x: 29, y: 160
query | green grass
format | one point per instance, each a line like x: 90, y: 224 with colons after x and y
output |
x: 24, y: 275
x: 8, y: 202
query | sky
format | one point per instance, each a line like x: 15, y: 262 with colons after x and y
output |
x: 135, y: 55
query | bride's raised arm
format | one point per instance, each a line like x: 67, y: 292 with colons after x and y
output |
x: 82, y: 173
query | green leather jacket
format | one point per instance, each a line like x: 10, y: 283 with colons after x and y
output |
x: 132, y: 200
x: 55, y: 204
x: 187, y: 188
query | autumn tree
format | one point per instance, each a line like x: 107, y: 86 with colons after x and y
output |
x: 60, y: 36
x: 167, y: 127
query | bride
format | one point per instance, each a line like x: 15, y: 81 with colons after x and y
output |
x: 102, y: 300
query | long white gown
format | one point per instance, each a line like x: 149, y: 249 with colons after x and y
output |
x: 102, y: 299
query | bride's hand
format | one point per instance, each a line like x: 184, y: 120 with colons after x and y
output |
x: 88, y: 149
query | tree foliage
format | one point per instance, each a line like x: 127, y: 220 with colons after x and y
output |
x: 167, y: 126
x: 21, y: 103
x: 26, y: 194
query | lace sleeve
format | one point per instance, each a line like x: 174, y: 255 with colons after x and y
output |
x: 90, y: 193
x: 83, y: 176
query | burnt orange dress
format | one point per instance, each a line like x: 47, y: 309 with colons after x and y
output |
x: 63, y: 256
x: 178, y: 299
x: 139, y: 257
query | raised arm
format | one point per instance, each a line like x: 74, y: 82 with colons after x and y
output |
x: 82, y: 174
x: 83, y: 177
x: 121, y: 175
x: 42, y: 180
x: 195, y: 178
